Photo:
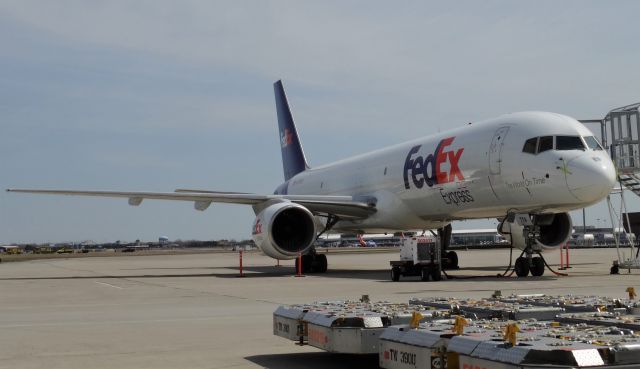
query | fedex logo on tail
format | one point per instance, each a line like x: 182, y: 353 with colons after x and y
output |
x: 286, y: 138
x: 430, y: 169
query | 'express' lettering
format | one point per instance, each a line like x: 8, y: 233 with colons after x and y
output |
x: 429, y: 170
x: 456, y: 197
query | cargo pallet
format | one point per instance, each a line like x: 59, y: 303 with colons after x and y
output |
x: 547, y: 331
x: 349, y: 327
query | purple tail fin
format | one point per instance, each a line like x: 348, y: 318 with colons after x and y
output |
x: 293, y: 160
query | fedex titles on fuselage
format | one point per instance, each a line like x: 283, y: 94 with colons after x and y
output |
x: 429, y: 169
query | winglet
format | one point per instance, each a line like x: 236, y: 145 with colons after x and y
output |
x: 293, y: 159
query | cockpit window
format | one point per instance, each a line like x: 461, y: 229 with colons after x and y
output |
x: 569, y: 143
x: 592, y: 143
x: 530, y: 145
x: 545, y: 143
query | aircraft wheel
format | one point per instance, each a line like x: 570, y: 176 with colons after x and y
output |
x: 537, y: 269
x: 452, y: 258
x: 307, y: 264
x: 522, y: 267
x: 321, y: 260
x: 436, y: 273
x: 424, y: 274
x: 395, y: 274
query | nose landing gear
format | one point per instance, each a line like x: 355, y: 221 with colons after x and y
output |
x: 527, y: 263
x: 530, y: 262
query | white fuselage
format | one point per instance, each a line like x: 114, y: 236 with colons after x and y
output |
x: 476, y: 171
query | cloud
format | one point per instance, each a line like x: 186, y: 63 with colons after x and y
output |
x: 156, y: 94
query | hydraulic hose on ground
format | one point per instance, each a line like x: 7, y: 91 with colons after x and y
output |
x: 503, y: 275
x: 510, y: 269
x: 463, y: 277
x: 510, y: 253
x: 549, y: 267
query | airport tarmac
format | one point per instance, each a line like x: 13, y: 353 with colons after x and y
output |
x: 192, y: 311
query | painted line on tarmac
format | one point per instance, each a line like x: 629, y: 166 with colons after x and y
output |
x: 110, y: 285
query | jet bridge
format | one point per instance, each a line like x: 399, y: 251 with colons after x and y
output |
x: 620, y: 136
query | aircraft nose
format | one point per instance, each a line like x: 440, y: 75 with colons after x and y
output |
x: 590, y: 176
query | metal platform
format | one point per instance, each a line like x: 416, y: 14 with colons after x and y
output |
x: 620, y: 136
x: 623, y: 321
x: 576, y: 303
x: 490, y: 308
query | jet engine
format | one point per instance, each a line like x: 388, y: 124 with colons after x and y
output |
x: 284, y: 229
x: 555, y: 230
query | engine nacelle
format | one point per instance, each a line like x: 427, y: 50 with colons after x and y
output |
x: 555, y: 230
x: 283, y: 230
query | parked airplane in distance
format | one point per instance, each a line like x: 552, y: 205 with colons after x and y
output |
x: 527, y: 169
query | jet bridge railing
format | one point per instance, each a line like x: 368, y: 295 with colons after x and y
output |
x: 620, y: 135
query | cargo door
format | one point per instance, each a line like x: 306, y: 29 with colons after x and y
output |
x: 495, y: 150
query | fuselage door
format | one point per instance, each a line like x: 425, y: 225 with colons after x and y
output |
x: 495, y: 150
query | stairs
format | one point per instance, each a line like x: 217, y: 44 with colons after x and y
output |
x: 631, y: 181
x: 621, y: 136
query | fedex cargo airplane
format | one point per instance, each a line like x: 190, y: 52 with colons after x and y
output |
x: 526, y: 169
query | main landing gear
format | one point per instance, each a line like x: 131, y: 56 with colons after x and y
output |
x: 449, y: 258
x: 312, y: 262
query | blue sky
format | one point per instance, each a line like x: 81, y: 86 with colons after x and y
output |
x: 157, y: 95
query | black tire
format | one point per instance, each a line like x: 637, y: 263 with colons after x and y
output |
x: 537, y: 267
x: 307, y: 264
x: 436, y: 273
x: 321, y: 260
x: 395, y: 274
x: 452, y: 260
x: 521, y: 267
x: 424, y: 274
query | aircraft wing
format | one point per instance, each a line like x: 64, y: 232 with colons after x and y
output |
x: 341, y: 206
